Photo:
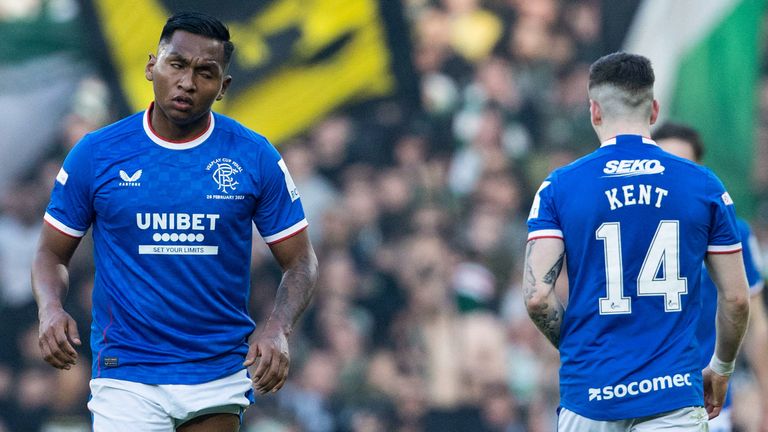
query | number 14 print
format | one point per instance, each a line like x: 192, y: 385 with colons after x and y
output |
x: 662, y: 258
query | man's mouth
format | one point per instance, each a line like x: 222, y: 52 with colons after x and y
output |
x: 181, y: 103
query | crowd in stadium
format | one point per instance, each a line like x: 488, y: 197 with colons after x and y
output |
x: 418, y: 220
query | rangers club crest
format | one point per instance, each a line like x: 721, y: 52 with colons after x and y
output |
x: 224, y: 173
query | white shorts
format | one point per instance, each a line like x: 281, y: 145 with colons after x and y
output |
x: 721, y: 423
x: 126, y: 406
x: 689, y: 419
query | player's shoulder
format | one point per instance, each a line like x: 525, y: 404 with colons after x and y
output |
x: 682, y: 163
x: 105, y: 136
x: 118, y: 129
x: 245, y: 136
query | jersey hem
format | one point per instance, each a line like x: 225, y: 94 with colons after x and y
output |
x: 61, y: 227
x: 636, y: 413
x: 153, y: 380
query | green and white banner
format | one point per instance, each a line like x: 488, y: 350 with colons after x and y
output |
x: 706, y: 55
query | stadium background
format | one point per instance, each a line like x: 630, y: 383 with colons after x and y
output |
x: 416, y: 131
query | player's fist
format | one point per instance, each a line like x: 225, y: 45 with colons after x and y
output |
x: 715, y: 387
x: 57, y: 337
x: 269, y: 353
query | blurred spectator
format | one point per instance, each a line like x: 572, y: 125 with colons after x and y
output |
x: 42, y: 51
x: 309, y: 398
x: 317, y: 193
x: 22, y: 206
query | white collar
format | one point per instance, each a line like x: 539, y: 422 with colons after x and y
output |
x: 612, y: 141
x: 177, y: 145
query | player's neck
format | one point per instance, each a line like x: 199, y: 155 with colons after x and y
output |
x: 163, y: 127
x: 607, y: 131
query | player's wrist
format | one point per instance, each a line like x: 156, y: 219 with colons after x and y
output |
x: 49, y: 308
x: 721, y: 367
x: 279, y: 325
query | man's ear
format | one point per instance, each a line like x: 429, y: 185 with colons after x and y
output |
x: 595, y: 113
x: 150, y: 66
x: 224, y: 87
x: 654, y: 111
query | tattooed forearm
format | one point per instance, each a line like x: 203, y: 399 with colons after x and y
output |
x: 295, y: 290
x: 543, y: 263
x: 548, y: 318
x: 554, y: 271
x: 530, y: 279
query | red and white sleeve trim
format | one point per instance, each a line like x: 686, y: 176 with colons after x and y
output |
x: 547, y: 233
x: 61, y: 227
x: 727, y: 249
x: 286, y: 233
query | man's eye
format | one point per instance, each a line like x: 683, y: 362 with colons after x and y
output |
x: 176, y: 65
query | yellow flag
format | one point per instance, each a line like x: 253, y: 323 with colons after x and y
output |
x: 294, y: 61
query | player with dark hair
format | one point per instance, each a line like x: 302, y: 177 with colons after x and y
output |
x: 635, y: 224
x: 683, y: 141
x: 680, y: 140
x: 172, y: 194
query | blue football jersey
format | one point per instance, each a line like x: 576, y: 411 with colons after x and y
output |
x: 172, y: 231
x: 706, y: 330
x: 636, y: 222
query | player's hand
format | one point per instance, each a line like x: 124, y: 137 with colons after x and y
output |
x: 57, y: 338
x: 715, y: 387
x: 269, y: 352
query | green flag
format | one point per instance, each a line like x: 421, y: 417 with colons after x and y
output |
x: 706, y: 57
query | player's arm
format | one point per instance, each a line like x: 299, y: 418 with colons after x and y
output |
x: 299, y: 263
x: 50, y: 282
x: 756, y: 349
x: 544, y: 259
x: 727, y: 271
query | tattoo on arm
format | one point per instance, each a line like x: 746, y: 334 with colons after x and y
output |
x: 295, y: 291
x: 554, y: 272
x: 530, y: 279
x: 547, y: 315
x: 548, y: 318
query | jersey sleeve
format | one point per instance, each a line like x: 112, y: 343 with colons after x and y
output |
x: 724, y: 236
x: 752, y: 258
x: 71, y: 207
x: 542, y: 219
x: 279, y: 214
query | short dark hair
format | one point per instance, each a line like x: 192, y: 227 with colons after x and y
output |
x: 630, y: 72
x: 623, y: 85
x: 682, y: 132
x: 199, y: 24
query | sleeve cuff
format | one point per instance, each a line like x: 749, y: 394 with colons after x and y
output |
x: 287, y: 233
x: 61, y: 227
x: 727, y: 249
x: 546, y: 233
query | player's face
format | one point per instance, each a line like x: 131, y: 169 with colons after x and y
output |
x: 187, y: 77
x: 677, y: 147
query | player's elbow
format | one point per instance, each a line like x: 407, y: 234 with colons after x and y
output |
x: 535, y: 301
x: 735, y: 304
x: 737, y: 300
x: 741, y: 304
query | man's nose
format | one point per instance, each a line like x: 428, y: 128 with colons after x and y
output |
x: 186, y: 81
